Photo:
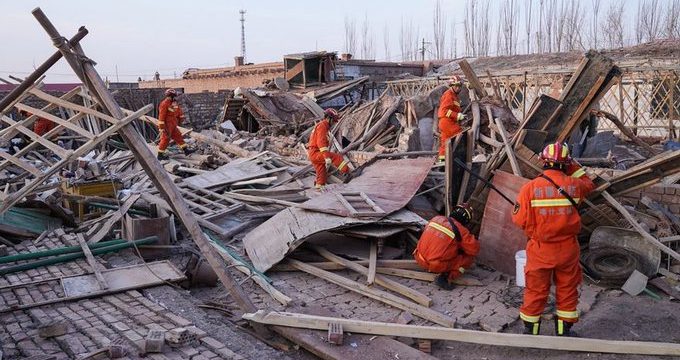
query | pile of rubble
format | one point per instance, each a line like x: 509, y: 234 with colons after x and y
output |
x: 96, y: 230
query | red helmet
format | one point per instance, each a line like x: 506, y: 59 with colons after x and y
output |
x: 455, y: 80
x: 462, y: 213
x: 170, y: 92
x: 331, y: 114
x: 556, y: 153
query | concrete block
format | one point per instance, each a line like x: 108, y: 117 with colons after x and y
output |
x: 154, y: 341
x: 179, y: 337
x: 425, y: 345
x: 52, y: 329
x: 335, y: 334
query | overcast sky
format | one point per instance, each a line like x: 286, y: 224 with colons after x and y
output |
x: 136, y: 38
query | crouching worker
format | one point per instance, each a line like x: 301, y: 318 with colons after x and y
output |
x: 447, y: 247
x: 317, y: 149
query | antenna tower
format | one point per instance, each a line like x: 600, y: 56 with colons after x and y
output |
x: 243, y: 34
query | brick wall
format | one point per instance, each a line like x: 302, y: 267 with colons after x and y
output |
x: 213, y: 84
x: 668, y: 195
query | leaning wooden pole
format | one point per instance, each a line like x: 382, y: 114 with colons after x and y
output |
x: 84, y: 68
x: 35, y: 75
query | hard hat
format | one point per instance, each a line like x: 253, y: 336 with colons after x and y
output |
x: 556, y: 153
x: 462, y: 213
x: 331, y: 114
x: 455, y: 80
x: 170, y: 92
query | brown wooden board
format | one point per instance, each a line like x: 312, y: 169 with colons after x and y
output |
x: 389, y: 183
x: 542, y: 111
x: 499, y: 237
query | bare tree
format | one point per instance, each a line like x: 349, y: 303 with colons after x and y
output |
x: 408, y: 41
x: 612, y: 28
x: 539, y: 32
x: 527, y: 25
x: 439, y: 31
x: 559, y: 20
x: 367, y: 51
x: 350, y: 36
x: 453, y: 49
x: 594, y: 27
x: 386, y: 42
x: 573, y: 26
x: 648, y: 24
x: 477, y: 28
x: 671, y: 26
x: 506, y: 37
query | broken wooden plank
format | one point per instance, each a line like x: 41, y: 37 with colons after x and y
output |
x: 623, y: 211
x: 508, y: 150
x: 329, y: 265
x: 372, y: 260
x: 117, y: 216
x: 92, y: 261
x: 390, y: 299
x: 468, y: 336
x: 472, y: 78
x: 379, y: 279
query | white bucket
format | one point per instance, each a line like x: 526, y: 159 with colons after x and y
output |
x: 520, y: 261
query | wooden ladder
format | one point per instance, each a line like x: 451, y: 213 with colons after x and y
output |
x: 359, y: 204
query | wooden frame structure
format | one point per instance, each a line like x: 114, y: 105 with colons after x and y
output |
x: 641, y: 99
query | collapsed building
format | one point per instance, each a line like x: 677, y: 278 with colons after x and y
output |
x: 100, y: 239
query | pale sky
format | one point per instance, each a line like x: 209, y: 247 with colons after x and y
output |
x: 140, y: 37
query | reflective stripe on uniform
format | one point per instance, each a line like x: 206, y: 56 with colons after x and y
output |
x: 449, y: 113
x: 552, y: 202
x: 529, y: 318
x: 567, y: 314
x: 342, y: 164
x: 442, y: 229
x: 456, y: 103
x: 461, y: 270
x: 578, y: 173
x: 322, y: 149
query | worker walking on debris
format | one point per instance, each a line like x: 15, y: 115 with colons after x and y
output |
x: 546, y: 209
x: 318, y: 149
x: 170, y: 117
x: 449, y: 114
x: 447, y: 247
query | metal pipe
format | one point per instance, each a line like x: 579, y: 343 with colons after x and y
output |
x: 71, y: 257
x: 57, y: 251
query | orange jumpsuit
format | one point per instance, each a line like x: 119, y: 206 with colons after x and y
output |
x: 170, y: 116
x: 449, y: 114
x: 552, y: 224
x: 317, y: 150
x: 439, y: 251
x: 42, y: 126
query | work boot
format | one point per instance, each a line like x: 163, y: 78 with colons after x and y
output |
x: 162, y: 156
x: 188, y: 151
x: 531, y: 328
x: 442, y: 280
x: 563, y: 328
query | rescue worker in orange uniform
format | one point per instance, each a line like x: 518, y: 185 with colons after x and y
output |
x: 41, y: 126
x: 447, y: 247
x: 170, y: 116
x: 546, y: 209
x: 449, y: 114
x: 317, y: 150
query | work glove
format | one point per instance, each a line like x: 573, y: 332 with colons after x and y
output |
x: 328, y: 163
x: 461, y: 117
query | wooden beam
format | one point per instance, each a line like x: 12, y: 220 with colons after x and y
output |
x: 372, y: 261
x: 392, y: 264
x: 468, y: 336
x: 639, y: 228
x: 472, y: 79
x: 390, y: 299
x: 92, y: 262
x: 508, y: 149
x: 383, y: 281
x: 83, y: 67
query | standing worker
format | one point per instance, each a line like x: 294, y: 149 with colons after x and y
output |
x: 447, y: 247
x: 546, y: 209
x: 318, y: 152
x: 170, y: 117
x: 41, y: 126
x: 449, y: 114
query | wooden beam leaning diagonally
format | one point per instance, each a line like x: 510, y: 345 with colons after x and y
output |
x: 385, y: 297
x: 469, y: 336
x: 85, y: 70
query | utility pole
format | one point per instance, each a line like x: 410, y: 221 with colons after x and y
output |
x: 422, y: 50
x: 243, y: 34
